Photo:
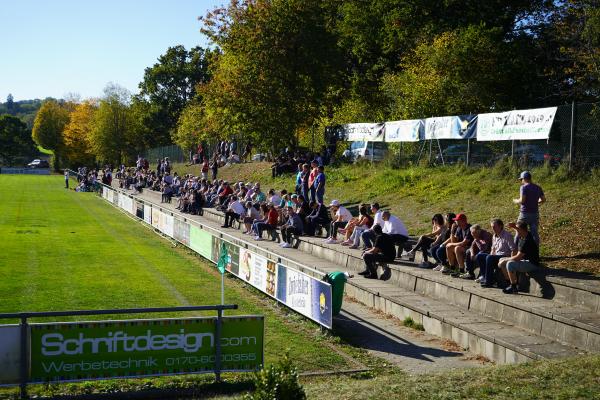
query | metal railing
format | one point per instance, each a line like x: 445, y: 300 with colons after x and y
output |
x: 24, y: 327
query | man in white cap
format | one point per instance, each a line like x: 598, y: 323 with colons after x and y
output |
x: 340, y: 219
x: 530, y: 197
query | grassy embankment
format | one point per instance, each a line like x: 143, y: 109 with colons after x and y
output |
x: 569, y: 229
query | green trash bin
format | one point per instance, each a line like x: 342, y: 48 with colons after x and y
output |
x: 337, y: 280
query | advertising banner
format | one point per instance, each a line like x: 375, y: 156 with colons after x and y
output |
x: 516, y: 125
x: 105, y: 192
x: 111, y: 349
x: 148, y: 214
x: 111, y: 196
x: 305, y: 294
x: 168, y: 225
x: 258, y: 271
x: 363, y: 132
x: 233, y: 255
x: 10, y: 355
x: 457, y: 127
x: 404, y: 131
x: 156, y: 218
x: 201, y: 242
x: 181, y: 232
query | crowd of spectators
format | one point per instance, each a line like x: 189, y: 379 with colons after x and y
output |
x: 456, y: 247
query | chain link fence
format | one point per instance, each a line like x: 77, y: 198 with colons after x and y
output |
x: 574, y: 140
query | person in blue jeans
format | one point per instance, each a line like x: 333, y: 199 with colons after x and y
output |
x: 530, y: 197
x: 503, y: 245
x: 319, y: 185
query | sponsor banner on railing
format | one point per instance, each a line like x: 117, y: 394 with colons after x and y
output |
x: 155, y: 217
x: 201, y: 242
x: 411, y: 130
x: 104, y: 192
x: 364, y: 132
x: 258, y: 271
x: 456, y: 127
x: 111, y: 349
x: 516, y: 125
x: 168, y: 225
x: 305, y: 294
x: 10, y: 354
x: 181, y: 232
x: 148, y: 214
x: 233, y: 255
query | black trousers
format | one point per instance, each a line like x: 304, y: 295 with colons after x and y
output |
x: 312, y: 223
x: 423, y: 244
x: 288, y: 232
x: 334, y: 227
x: 230, y: 216
x: 399, y: 240
x: 371, y: 261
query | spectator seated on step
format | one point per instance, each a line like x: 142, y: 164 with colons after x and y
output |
x: 273, y: 197
x: 395, y: 228
x: 318, y: 217
x: 251, y: 215
x: 269, y: 225
x: 527, y: 258
x: 363, y: 222
x: 482, y: 243
x: 341, y: 216
x: 292, y: 228
x: 368, y: 236
x: 382, y: 252
x: 427, y: 241
x: 234, y: 212
x: 452, y: 252
x: 258, y: 195
x: 301, y: 207
x: 224, y: 193
x: 503, y: 246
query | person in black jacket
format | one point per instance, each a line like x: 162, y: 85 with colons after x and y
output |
x: 318, y: 216
x: 383, y: 251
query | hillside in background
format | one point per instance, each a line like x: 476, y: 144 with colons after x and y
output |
x: 569, y: 226
x: 23, y: 109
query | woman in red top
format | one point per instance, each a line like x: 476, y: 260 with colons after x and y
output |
x: 271, y: 222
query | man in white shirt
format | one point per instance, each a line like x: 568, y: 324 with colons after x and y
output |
x: 394, y: 227
x: 341, y: 218
x: 234, y: 212
x: 368, y: 236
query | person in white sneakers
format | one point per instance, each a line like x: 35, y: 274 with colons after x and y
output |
x: 341, y: 216
x: 293, y: 227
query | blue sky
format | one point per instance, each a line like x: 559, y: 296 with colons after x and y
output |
x: 56, y: 47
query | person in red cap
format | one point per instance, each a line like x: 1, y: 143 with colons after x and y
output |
x: 458, y: 243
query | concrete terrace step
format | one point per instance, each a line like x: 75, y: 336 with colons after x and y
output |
x: 570, y: 317
x: 503, y: 341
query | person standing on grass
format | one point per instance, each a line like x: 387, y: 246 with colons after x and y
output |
x: 66, y: 178
x: 531, y: 196
x: 319, y: 184
x: 314, y: 171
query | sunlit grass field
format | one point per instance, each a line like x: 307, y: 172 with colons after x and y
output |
x: 64, y: 250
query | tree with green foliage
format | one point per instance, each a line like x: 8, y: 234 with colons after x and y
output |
x: 15, y: 140
x: 190, y: 127
x: 110, y: 135
x: 167, y: 88
x: 279, y: 60
x: 48, y: 128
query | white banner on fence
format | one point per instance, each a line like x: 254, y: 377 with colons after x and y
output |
x: 364, y: 132
x: 516, y: 125
x: 169, y: 225
x: 148, y: 214
x: 456, y: 127
x: 10, y: 356
x: 404, y: 131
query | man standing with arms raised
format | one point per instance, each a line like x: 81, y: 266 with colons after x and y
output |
x: 531, y: 196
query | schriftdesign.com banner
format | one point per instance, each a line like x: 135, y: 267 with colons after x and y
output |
x: 111, y: 349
